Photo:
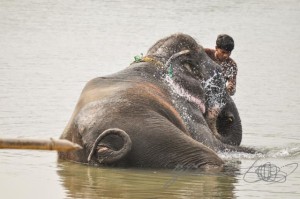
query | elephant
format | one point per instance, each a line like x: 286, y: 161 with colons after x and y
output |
x: 153, y: 113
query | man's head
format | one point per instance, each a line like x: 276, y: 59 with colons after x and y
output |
x: 224, y: 46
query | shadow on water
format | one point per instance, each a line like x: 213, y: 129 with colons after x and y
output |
x: 82, y: 181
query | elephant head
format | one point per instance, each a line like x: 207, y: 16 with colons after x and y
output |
x: 199, y: 79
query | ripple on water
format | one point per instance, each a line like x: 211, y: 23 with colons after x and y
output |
x: 287, y: 152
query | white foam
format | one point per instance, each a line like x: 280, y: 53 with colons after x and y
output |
x: 265, y: 153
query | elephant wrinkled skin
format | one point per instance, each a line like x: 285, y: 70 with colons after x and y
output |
x: 153, y: 113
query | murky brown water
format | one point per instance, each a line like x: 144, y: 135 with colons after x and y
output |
x: 126, y: 183
x: 50, y: 49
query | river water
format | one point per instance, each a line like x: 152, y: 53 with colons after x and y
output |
x: 50, y: 49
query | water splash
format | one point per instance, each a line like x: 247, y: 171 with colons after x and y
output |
x: 180, y: 91
x: 215, y: 90
x: 288, y: 152
x: 239, y: 155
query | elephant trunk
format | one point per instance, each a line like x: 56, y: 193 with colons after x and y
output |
x: 229, y: 126
x: 225, y: 124
x: 107, y: 155
x: 230, y: 134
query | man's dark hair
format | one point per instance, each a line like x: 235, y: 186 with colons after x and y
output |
x: 225, y: 42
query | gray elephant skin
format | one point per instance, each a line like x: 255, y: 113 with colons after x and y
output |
x: 153, y: 113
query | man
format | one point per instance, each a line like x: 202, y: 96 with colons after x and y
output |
x: 221, y: 55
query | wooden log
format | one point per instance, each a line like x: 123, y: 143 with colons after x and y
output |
x: 38, y: 144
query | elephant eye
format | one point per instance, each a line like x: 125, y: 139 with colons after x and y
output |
x: 188, y: 67
x: 192, y: 68
x: 230, y: 119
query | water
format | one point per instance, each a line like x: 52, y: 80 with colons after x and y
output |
x: 50, y: 49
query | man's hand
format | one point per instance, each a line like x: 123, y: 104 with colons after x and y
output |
x: 230, y: 88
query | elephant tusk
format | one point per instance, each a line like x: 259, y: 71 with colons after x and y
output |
x: 175, y: 56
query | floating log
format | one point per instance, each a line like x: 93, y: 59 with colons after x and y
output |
x: 38, y: 144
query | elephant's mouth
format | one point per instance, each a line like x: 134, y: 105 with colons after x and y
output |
x: 179, y: 90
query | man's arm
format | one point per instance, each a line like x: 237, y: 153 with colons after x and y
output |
x: 231, y: 82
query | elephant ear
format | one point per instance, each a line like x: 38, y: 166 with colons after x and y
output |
x: 105, y: 152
